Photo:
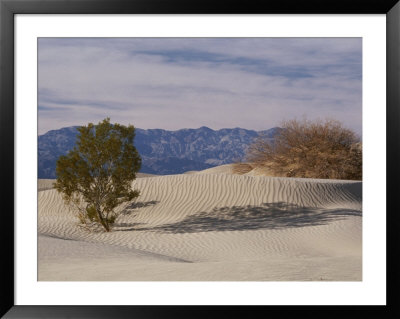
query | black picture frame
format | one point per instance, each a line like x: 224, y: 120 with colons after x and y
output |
x: 8, y: 8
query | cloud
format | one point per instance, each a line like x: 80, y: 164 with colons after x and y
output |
x: 175, y: 83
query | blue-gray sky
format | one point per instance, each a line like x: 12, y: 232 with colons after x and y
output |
x: 174, y: 83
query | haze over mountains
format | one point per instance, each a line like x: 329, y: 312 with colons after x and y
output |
x: 163, y: 152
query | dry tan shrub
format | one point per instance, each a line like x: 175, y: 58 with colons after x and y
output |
x: 310, y: 150
x: 241, y: 168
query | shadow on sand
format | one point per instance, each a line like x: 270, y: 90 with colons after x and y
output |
x: 131, y: 207
x: 267, y: 216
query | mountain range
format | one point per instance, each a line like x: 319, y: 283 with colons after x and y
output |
x: 163, y: 152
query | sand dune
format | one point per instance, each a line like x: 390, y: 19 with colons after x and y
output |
x: 212, y: 225
x: 222, y: 169
x: 45, y: 184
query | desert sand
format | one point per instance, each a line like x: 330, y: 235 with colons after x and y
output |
x: 211, y: 226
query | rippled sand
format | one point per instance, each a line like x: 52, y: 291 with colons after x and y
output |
x: 211, y: 226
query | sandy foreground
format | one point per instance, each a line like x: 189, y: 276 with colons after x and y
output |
x: 210, y: 226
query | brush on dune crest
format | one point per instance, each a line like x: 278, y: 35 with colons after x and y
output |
x: 310, y: 150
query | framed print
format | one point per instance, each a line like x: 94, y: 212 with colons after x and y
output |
x: 166, y: 158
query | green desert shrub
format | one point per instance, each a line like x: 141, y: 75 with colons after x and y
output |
x: 319, y: 149
x: 95, y: 177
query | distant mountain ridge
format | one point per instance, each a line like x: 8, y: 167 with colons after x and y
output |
x: 163, y: 152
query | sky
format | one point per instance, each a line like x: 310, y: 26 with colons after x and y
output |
x: 175, y: 83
